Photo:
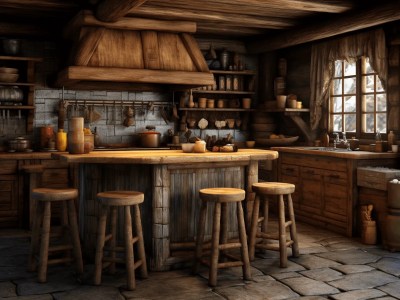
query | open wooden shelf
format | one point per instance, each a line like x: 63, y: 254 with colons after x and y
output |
x: 217, y: 109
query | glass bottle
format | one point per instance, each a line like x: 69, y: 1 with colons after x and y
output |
x: 61, y: 141
x: 391, y: 139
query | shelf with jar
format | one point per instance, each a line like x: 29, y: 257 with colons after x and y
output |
x: 230, y: 83
x: 17, y: 86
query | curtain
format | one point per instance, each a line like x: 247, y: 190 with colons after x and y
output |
x: 323, y: 55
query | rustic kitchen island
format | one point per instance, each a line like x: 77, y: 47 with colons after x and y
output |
x: 170, y: 180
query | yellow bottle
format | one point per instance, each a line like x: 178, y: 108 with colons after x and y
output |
x: 61, y: 143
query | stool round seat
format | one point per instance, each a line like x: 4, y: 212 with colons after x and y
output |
x: 273, y: 188
x: 47, y: 194
x: 120, y: 198
x: 222, y: 194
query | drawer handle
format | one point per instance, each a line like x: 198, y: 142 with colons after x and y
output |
x: 334, y: 176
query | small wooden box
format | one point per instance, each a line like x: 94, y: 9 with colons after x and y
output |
x: 376, y: 178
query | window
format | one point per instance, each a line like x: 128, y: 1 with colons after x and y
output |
x: 357, y: 99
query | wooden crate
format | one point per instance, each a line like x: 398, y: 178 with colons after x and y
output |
x: 375, y: 177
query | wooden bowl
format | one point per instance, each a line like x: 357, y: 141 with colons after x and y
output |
x: 277, y: 142
x: 6, y: 77
x: 5, y: 70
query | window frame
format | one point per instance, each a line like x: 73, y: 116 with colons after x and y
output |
x: 359, y: 101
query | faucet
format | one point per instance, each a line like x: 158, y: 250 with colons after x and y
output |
x: 338, y: 141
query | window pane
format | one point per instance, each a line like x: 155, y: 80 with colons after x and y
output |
x: 337, y: 86
x: 369, y: 84
x: 337, y: 104
x: 338, y: 68
x: 379, y: 87
x: 381, y: 122
x: 349, y: 69
x: 381, y: 102
x: 369, y: 123
x: 367, y: 67
x: 350, y: 85
x: 350, y: 122
x: 350, y: 104
x: 337, y: 123
x: 369, y: 103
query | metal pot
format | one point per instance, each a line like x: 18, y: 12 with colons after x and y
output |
x: 150, y: 138
x: 19, y: 144
x: 11, y: 93
x: 11, y: 46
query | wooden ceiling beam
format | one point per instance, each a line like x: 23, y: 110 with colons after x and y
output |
x: 332, y: 6
x: 227, y: 30
x: 349, y: 22
x: 86, y: 18
x: 113, y: 10
x: 37, y: 4
x: 238, y: 20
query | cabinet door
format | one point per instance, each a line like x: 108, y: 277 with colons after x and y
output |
x: 335, y: 196
x: 8, y: 201
x: 290, y: 174
x: 311, y: 193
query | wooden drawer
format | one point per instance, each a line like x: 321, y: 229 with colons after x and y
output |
x: 8, y: 166
x: 376, y: 178
x: 290, y: 170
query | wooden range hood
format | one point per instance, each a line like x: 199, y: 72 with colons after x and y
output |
x: 133, y: 54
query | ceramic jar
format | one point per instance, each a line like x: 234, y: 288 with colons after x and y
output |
x: 199, y: 147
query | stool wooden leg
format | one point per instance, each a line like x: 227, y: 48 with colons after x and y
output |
x: 282, y: 233
x: 243, y: 240
x: 101, y: 232
x: 293, y: 230
x: 140, y: 242
x: 200, y: 237
x: 44, y: 245
x: 254, y: 227
x: 223, y: 237
x: 113, y: 240
x: 212, y: 280
x: 64, y: 223
x: 73, y: 223
x: 35, y: 238
x: 129, y: 256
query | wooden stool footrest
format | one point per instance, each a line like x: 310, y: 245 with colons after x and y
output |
x: 55, y: 261
x: 288, y: 223
x: 57, y: 248
x: 230, y: 264
x: 271, y: 236
x: 229, y: 246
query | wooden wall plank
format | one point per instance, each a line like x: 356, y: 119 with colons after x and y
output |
x: 150, y: 50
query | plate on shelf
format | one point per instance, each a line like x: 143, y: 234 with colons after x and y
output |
x: 277, y: 142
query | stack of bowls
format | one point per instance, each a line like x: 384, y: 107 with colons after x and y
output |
x: 8, y: 74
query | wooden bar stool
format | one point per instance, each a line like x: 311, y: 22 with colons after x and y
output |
x: 111, y: 201
x: 41, y: 230
x: 221, y: 197
x: 263, y: 191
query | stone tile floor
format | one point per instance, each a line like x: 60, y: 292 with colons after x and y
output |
x: 330, y: 267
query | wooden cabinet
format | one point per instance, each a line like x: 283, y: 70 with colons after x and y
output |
x: 10, y: 205
x: 322, y: 190
x: 26, y: 83
x: 326, y: 192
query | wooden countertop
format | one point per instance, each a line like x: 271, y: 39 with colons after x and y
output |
x: 25, y: 155
x: 339, y: 154
x: 165, y: 156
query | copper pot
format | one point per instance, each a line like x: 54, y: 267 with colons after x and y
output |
x: 19, y: 144
x: 150, y: 138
